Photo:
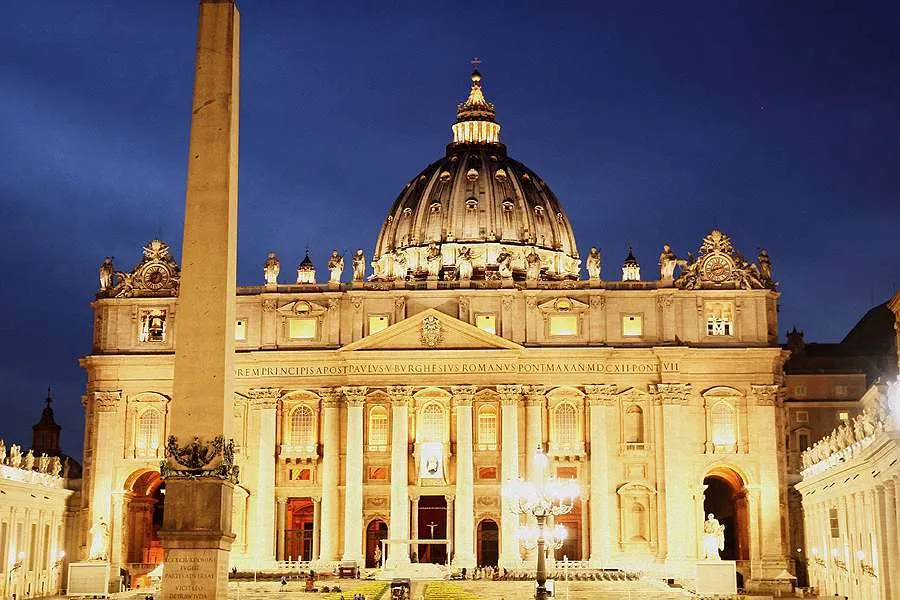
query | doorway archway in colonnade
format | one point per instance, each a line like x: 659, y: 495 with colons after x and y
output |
x: 488, y: 543
x: 726, y: 497
x: 298, y: 531
x: 147, y: 494
x: 376, y: 531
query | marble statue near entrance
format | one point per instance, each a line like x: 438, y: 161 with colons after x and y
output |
x: 713, y: 538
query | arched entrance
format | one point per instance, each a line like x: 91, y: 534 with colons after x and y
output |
x: 726, y: 498
x: 298, y: 531
x: 572, y: 522
x: 432, y: 525
x: 144, y: 518
x: 488, y: 543
x: 376, y: 531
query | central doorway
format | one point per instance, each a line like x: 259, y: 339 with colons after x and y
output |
x: 376, y: 531
x: 488, y: 543
x: 298, y: 532
x: 432, y: 519
x: 144, y: 519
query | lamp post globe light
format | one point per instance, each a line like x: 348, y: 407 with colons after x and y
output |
x: 542, y: 498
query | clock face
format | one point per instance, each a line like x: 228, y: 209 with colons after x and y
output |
x: 717, y: 269
x: 155, y: 277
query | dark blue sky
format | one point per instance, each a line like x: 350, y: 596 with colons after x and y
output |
x: 653, y: 122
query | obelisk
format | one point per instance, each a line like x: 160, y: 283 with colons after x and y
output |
x: 198, y: 470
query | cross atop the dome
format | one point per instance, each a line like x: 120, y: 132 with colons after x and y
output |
x: 475, y: 62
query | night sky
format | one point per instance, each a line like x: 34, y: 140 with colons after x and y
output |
x: 653, y: 122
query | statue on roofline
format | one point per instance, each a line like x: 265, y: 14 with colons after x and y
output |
x: 593, y: 264
x: 359, y: 265
x: 533, y: 268
x: 464, y: 263
x: 106, y: 274
x: 434, y: 260
x: 335, y: 267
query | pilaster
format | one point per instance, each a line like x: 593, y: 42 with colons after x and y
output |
x: 464, y: 513
x: 510, y: 398
x: 355, y: 398
x: 601, y: 400
x: 331, y: 421
x: 401, y: 396
x: 260, y: 475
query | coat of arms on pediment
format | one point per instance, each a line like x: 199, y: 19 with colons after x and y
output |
x: 157, y: 275
x: 432, y: 333
x: 718, y: 265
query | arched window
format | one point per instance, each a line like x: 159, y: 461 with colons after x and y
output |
x: 487, y: 427
x: 148, y: 430
x: 378, y: 427
x: 432, y: 424
x: 634, y: 425
x: 721, y: 420
x: 565, y: 425
x: 302, y: 427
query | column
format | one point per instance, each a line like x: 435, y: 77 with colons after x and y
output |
x: 885, y: 577
x: 282, y: 517
x: 893, y: 551
x: 769, y: 442
x: 355, y: 398
x: 331, y: 440
x: 464, y: 513
x: 196, y: 531
x: 105, y: 412
x: 401, y: 396
x: 450, y: 498
x: 414, y: 519
x: 601, y: 398
x: 260, y: 475
x: 534, y: 415
x: 317, y: 526
x: 118, y: 554
x: 510, y: 396
x: 673, y: 400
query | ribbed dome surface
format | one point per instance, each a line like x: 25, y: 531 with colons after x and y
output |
x: 476, y: 197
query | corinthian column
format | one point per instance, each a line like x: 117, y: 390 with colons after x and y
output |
x: 464, y: 514
x: 353, y: 486
x: 261, y: 474
x: 401, y: 395
x: 535, y: 401
x: 331, y: 439
x: 600, y: 399
x: 510, y: 396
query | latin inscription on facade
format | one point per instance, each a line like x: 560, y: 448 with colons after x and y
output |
x: 510, y: 367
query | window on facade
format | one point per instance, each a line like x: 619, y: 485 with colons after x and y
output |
x: 378, y: 323
x: 565, y: 425
x: 632, y: 326
x: 487, y: 473
x: 841, y: 391
x: 833, y: 523
x: 302, y: 427
x: 432, y: 424
x: 153, y: 326
x: 801, y: 416
x: 487, y: 427
x: 567, y: 472
x: 148, y: 430
x: 240, y: 330
x: 843, y: 416
x: 302, y: 328
x: 378, y: 427
x: 487, y: 323
x: 634, y: 425
x: 563, y: 324
x: 722, y: 424
x: 802, y: 441
x: 377, y: 473
x: 719, y: 318
x: 800, y: 391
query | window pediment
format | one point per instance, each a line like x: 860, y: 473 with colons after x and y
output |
x: 302, y: 308
x: 563, y: 304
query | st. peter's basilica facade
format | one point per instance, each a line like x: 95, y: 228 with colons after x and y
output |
x: 394, y: 399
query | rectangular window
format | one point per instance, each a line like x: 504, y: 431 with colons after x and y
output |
x: 378, y: 323
x: 801, y: 416
x: 240, y: 330
x: 833, y: 523
x: 152, y: 326
x: 378, y: 473
x: 841, y: 391
x: 632, y: 326
x: 719, y: 318
x: 843, y: 416
x: 487, y: 323
x: 32, y: 547
x: 563, y: 325
x: 800, y: 391
x: 302, y: 328
x: 802, y: 441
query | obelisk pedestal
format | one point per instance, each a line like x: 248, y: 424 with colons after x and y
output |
x: 198, y: 471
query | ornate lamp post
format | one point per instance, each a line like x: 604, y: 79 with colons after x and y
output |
x: 543, y: 498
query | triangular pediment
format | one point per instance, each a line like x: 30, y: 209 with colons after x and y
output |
x: 432, y: 330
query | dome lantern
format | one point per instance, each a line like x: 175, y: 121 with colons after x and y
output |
x: 476, y: 118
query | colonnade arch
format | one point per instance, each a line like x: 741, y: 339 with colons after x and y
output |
x: 725, y: 497
x: 144, y: 517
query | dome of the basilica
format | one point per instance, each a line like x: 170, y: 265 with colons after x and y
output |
x: 476, y: 205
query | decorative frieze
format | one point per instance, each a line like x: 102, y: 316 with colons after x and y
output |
x: 107, y: 401
x: 354, y: 395
x: 676, y: 394
x: 264, y: 398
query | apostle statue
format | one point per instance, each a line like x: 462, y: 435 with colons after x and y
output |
x: 55, y: 466
x: 335, y: 267
x: 376, y: 555
x: 15, y: 456
x: 99, y: 540
x: 359, y: 265
x: 593, y: 264
x: 533, y: 269
x: 667, y: 263
x: 464, y: 263
x: 28, y: 464
x: 400, y: 263
x: 43, y: 462
x: 2, y: 452
x: 271, y: 269
x: 765, y: 266
x: 106, y: 274
x: 713, y: 538
x: 434, y: 260
x: 504, y: 264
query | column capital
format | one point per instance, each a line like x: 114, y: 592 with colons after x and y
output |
x: 766, y: 395
x: 331, y: 397
x: 510, y: 395
x: 107, y: 401
x: 449, y: 498
x: 463, y: 394
x: 534, y: 395
x: 400, y: 395
x: 316, y: 499
x: 263, y: 398
x: 677, y: 394
x: 354, y: 395
x: 281, y: 500
x: 603, y: 394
